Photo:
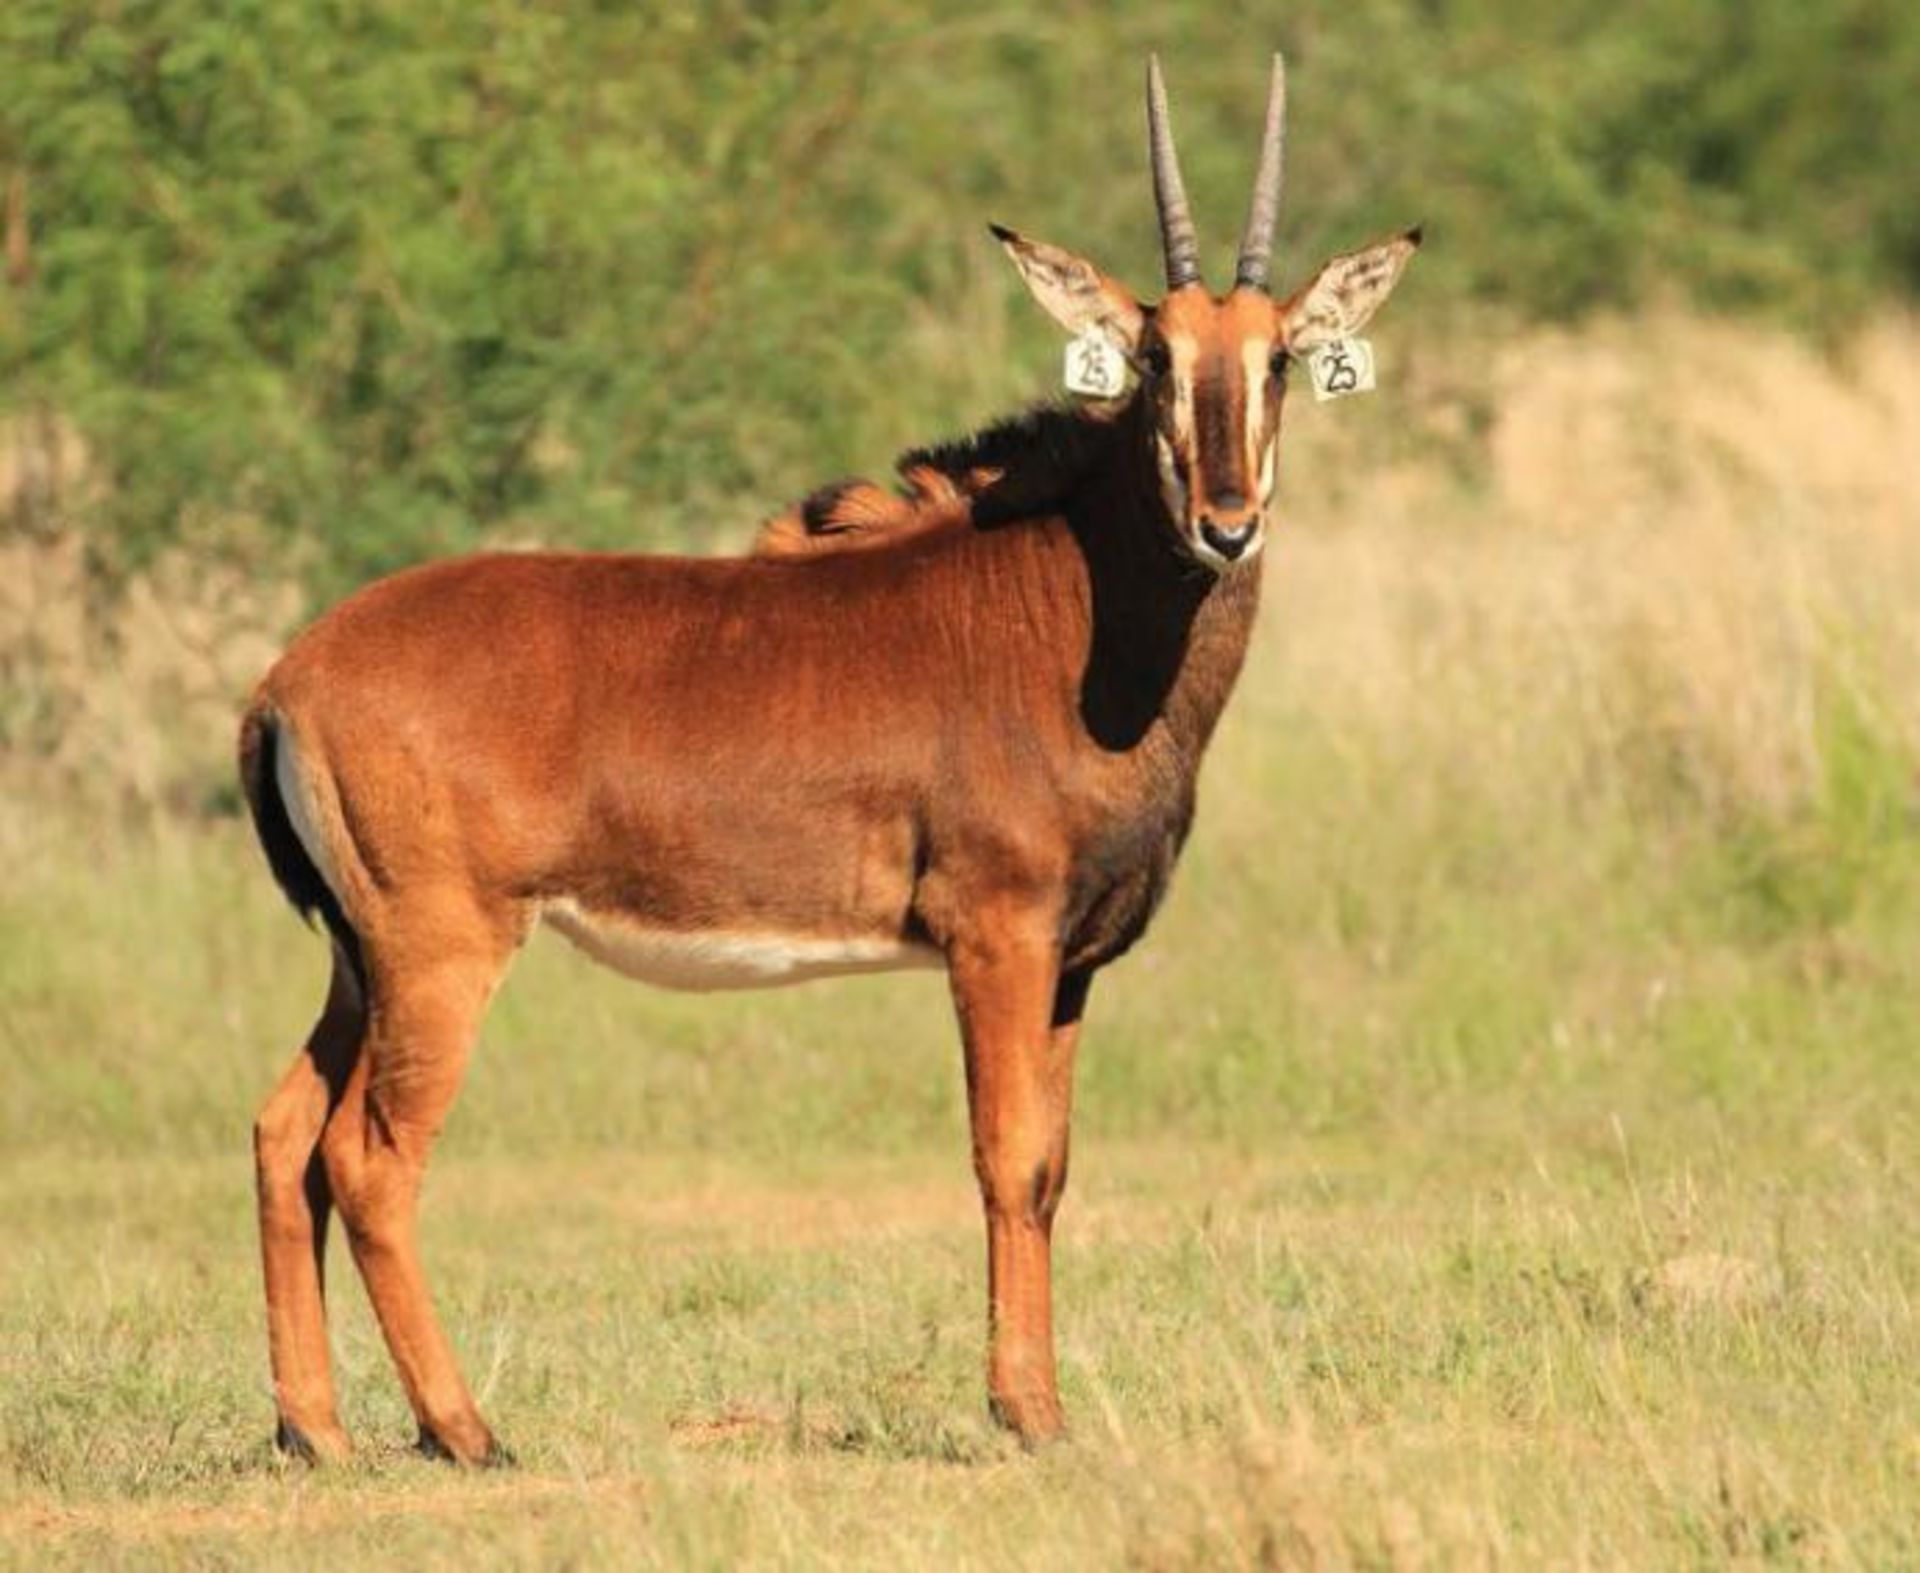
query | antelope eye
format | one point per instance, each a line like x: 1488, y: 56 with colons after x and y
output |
x: 1278, y: 365
x: 1158, y: 361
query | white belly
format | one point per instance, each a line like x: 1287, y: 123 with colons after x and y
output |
x: 728, y: 958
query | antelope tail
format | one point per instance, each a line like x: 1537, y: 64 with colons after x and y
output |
x: 294, y: 870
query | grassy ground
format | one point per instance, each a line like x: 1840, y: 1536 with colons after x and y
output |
x: 1502, y: 1153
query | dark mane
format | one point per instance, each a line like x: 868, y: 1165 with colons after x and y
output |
x: 1023, y: 467
x: 1034, y: 460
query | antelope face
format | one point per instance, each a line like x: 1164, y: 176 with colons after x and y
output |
x: 1214, y: 375
x: 1212, y: 368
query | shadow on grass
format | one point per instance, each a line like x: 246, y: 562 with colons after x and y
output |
x: 889, y: 1432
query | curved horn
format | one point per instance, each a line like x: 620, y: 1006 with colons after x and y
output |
x: 1169, y: 192
x: 1256, y: 246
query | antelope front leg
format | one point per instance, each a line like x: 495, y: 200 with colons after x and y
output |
x: 1020, y: 1021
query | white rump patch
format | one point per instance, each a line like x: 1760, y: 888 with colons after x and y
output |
x: 292, y: 783
x: 728, y: 958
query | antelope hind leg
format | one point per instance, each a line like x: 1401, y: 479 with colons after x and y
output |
x: 295, y: 1201
x: 426, y: 1014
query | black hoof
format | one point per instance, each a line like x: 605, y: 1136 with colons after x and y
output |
x: 427, y: 1445
x: 430, y: 1446
x: 293, y: 1442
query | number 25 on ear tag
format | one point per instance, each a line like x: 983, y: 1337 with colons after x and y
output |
x: 1340, y: 367
x: 1094, y: 367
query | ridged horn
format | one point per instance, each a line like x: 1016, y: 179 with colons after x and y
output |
x: 1256, y: 245
x: 1169, y: 191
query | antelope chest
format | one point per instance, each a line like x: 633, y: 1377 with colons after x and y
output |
x: 1121, y: 875
x: 728, y: 957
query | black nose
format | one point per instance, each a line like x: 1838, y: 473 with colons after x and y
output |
x: 1228, y: 540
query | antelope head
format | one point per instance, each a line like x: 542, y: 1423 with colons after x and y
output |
x: 1213, y: 368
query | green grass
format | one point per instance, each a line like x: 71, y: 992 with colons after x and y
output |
x: 711, y: 1364
x: 1502, y: 1153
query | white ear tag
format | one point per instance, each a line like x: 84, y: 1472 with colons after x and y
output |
x: 1094, y: 367
x: 1340, y: 367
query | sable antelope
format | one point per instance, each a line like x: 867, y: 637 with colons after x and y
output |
x: 972, y: 742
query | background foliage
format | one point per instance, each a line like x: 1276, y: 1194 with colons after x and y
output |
x: 368, y: 282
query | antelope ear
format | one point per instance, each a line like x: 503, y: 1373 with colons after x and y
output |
x: 1344, y: 294
x: 1073, y: 292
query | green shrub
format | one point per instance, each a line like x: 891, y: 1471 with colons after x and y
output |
x: 363, y: 284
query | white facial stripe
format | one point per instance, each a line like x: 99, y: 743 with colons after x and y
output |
x: 1253, y: 366
x: 1173, y: 490
x: 1183, y: 351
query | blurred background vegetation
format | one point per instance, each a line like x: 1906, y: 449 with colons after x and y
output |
x: 1549, y: 935
x: 347, y: 284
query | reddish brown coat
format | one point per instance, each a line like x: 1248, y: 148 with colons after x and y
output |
x: 968, y: 729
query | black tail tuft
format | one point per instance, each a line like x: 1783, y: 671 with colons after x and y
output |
x: 293, y: 870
